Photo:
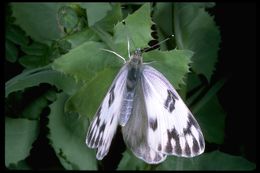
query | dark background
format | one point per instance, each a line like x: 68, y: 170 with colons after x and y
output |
x: 237, y: 59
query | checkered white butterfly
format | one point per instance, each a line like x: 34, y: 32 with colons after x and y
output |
x: 155, y: 121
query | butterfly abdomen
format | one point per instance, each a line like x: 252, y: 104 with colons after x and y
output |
x: 128, y: 98
x: 127, y: 108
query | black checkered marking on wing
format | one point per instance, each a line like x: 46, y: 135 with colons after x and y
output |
x: 170, y: 101
x: 111, y: 96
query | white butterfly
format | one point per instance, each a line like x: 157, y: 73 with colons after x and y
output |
x: 155, y: 121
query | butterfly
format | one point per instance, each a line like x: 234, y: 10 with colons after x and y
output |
x: 155, y: 121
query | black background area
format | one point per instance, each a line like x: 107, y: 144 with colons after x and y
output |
x: 237, y: 60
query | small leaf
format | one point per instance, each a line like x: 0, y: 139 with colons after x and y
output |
x: 196, y: 30
x: 67, y: 17
x: 67, y: 136
x: 32, y: 61
x: 16, y: 35
x: 137, y: 27
x: 208, y: 161
x: 11, y: 51
x: 19, y: 137
x: 35, y: 48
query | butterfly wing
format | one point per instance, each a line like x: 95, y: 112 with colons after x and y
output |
x: 172, y: 129
x: 136, y: 129
x: 104, y: 124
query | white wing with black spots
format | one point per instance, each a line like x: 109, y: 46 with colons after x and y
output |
x: 105, y: 122
x: 135, y: 132
x: 172, y: 128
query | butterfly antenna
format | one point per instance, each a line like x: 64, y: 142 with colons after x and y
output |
x: 114, y: 53
x: 159, y: 43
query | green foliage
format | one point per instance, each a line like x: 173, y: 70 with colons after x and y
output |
x: 36, y: 18
x: 221, y: 161
x: 196, y: 30
x: 67, y: 136
x: 19, y: 136
x: 60, y: 44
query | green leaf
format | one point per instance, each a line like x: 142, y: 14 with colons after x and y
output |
x: 37, y: 76
x: 32, y: 61
x: 11, y: 51
x: 137, y: 27
x: 170, y: 62
x: 130, y: 162
x: 21, y: 165
x: 215, y: 160
x: 67, y: 136
x: 35, y: 48
x: 196, y: 30
x: 111, y: 19
x: 38, y: 20
x: 84, y: 61
x: 16, y: 35
x: 35, y: 108
x: 19, y: 137
x: 163, y: 17
x: 67, y: 17
x: 211, y: 118
x: 95, y: 11
x: 87, y: 99
x: 81, y: 37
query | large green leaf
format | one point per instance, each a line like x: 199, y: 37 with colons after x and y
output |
x: 196, y: 30
x: 85, y: 61
x: 209, y: 161
x: 38, y: 20
x: 67, y: 136
x: 19, y: 137
x: 37, y: 76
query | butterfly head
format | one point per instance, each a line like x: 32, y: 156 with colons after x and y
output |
x: 136, y: 59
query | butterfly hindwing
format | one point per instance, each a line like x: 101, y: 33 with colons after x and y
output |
x: 172, y: 129
x: 135, y: 132
x: 105, y: 122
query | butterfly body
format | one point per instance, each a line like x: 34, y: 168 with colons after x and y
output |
x: 155, y: 121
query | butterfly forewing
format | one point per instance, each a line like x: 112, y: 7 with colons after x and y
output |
x: 105, y: 122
